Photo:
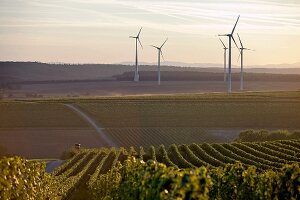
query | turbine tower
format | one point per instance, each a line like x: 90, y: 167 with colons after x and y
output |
x: 158, y: 63
x: 242, y: 60
x: 230, y: 37
x: 225, y: 52
x: 137, y: 39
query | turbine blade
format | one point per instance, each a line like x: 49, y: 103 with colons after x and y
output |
x: 239, y: 56
x: 162, y: 55
x: 235, y: 25
x: 164, y: 43
x: 132, y: 37
x: 235, y: 42
x: 140, y: 42
x: 222, y: 43
x: 240, y: 41
x: 154, y: 46
x: 223, y: 35
x: 138, y: 35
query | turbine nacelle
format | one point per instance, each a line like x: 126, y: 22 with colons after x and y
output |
x: 138, y: 37
x: 228, y: 35
x: 159, y: 48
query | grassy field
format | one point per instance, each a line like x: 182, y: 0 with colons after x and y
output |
x: 145, y: 120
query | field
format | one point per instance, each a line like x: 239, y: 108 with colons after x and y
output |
x: 15, y: 114
x: 119, y: 88
x: 239, y: 112
x: 79, y: 174
x: 42, y: 130
x: 34, y: 127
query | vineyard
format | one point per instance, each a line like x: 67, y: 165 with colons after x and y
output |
x: 178, y: 119
x: 86, y: 173
x: 126, y: 137
x: 204, y: 113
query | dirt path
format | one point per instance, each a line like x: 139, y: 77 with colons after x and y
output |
x: 98, y: 129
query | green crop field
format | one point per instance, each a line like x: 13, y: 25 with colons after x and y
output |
x: 79, y: 174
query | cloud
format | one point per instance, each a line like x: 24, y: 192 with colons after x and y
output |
x: 176, y: 16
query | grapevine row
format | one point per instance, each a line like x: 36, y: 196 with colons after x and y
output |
x: 189, y: 155
x: 206, y: 158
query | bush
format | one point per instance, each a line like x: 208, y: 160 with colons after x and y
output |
x: 295, y: 135
x: 279, y: 135
x: 263, y: 135
x: 22, y: 179
x: 252, y: 136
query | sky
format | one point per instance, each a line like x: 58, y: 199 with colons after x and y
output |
x: 97, y: 31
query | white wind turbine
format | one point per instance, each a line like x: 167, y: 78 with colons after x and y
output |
x: 137, y: 39
x: 225, y: 52
x: 230, y: 37
x: 242, y: 60
x: 158, y: 63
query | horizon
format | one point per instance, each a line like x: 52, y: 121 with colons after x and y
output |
x: 171, y: 64
x: 77, y: 31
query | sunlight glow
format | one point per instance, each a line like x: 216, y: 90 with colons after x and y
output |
x: 92, y: 31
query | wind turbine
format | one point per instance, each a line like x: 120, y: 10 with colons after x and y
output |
x: 225, y: 50
x: 137, y: 39
x: 158, y: 63
x: 241, y: 54
x: 230, y: 37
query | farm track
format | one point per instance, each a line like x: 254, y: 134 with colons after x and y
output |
x: 88, y: 119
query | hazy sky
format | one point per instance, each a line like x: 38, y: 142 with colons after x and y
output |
x: 96, y: 31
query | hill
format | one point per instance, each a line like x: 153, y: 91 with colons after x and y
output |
x: 35, y: 71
